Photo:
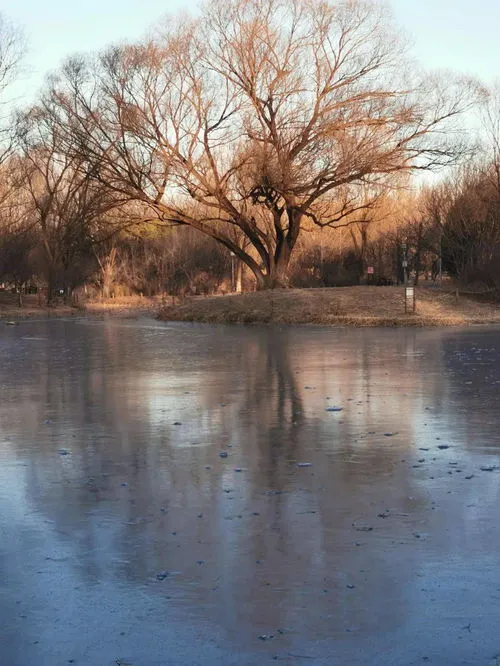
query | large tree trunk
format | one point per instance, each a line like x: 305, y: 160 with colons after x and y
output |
x: 277, y: 275
x: 272, y: 272
x: 272, y: 282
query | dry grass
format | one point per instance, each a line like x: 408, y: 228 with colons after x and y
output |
x: 126, y: 306
x: 348, y: 306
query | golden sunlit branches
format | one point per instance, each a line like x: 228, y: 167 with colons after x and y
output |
x: 258, y: 116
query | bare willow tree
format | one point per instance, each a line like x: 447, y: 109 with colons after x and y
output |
x: 257, y: 118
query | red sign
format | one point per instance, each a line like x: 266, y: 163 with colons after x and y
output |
x: 370, y: 270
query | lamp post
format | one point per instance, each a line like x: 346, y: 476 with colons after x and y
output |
x: 233, y: 272
x: 441, y: 259
x: 404, y: 263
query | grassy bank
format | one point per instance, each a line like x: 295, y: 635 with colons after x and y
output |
x: 348, y: 306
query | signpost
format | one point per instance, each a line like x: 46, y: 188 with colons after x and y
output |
x: 404, y: 263
x: 410, y: 299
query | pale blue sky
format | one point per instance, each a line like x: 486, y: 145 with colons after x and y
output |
x: 457, y: 34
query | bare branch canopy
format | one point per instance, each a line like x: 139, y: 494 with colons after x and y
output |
x: 258, y: 119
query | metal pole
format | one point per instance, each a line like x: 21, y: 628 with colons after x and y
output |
x: 233, y: 286
x: 441, y: 259
x: 405, y: 265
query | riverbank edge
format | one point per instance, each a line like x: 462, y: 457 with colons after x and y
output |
x: 90, y: 310
x: 409, y: 321
x: 356, y: 307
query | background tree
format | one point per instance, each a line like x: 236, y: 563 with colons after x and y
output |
x: 471, y: 230
x: 12, y: 49
x: 17, y: 239
x: 65, y: 204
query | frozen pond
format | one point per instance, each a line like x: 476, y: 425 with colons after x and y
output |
x: 368, y: 534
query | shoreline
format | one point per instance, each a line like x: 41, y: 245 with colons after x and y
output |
x: 121, y: 308
x: 356, y: 307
